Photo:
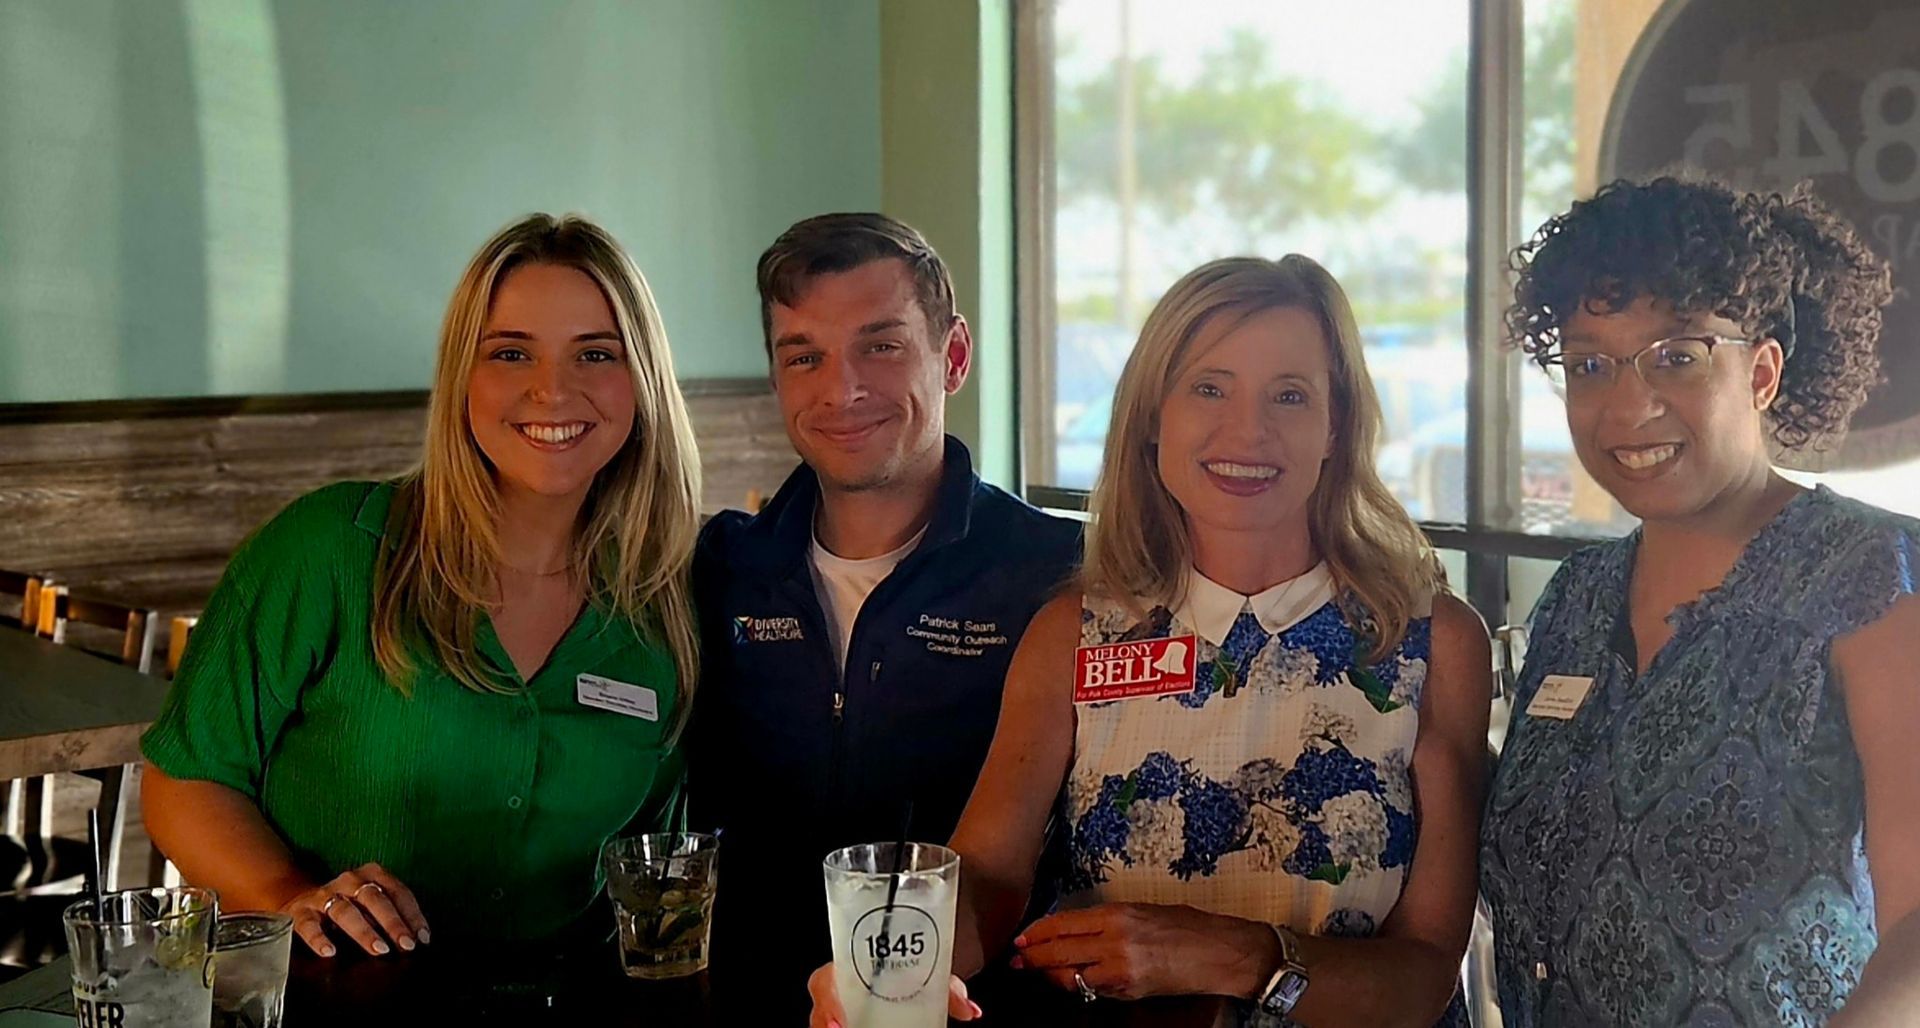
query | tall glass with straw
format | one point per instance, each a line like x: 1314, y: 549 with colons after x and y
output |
x: 890, y: 907
x: 141, y: 958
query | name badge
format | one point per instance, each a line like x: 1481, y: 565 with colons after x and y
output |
x: 1559, y: 697
x: 618, y: 697
x: 1129, y: 670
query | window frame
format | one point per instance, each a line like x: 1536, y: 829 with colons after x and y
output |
x: 1495, y: 71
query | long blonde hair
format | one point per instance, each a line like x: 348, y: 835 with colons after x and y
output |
x: 1137, y: 544
x: 633, y: 544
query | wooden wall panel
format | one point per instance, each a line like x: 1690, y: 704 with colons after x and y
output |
x: 143, y: 502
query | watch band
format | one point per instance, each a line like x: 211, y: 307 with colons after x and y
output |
x: 1289, y: 981
x: 1289, y: 944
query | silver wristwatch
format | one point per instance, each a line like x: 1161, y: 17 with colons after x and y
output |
x: 1288, y: 983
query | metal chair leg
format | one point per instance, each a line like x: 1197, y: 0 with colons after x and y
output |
x: 1483, y: 994
x: 36, y: 826
x: 12, y: 840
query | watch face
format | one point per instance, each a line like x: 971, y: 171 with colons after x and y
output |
x: 1286, y: 992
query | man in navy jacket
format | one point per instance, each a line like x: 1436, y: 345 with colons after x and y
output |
x: 856, y: 632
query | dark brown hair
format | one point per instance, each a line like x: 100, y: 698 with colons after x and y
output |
x: 827, y: 244
x: 1781, y: 266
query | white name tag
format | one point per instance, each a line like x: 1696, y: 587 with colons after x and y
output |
x: 1559, y: 697
x: 618, y: 697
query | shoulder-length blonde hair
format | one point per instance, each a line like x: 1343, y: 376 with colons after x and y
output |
x: 633, y: 543
x: 1138, y: 546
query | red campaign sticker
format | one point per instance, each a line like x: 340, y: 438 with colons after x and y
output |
x: 1128, y: 670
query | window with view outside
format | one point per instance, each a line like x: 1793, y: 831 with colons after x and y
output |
x: 1556, y: 165
x: 1335, y: 131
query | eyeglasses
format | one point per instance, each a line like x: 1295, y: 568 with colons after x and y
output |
x: 1666, y: 365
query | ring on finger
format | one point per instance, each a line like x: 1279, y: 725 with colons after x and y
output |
x: 1087, y: 995
x: 375, y: 886
x: 326, y: 909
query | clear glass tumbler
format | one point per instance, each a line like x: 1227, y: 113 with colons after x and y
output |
x: 143, y: 958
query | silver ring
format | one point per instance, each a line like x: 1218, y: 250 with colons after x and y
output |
x: 326, y: 909
x: 375, y: 886
x: 1087, y: 995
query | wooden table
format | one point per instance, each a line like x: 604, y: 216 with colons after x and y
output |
x: 63, y: 709
x: 438, y: 986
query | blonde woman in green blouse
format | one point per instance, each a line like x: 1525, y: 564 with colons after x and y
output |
x: 419, y: 707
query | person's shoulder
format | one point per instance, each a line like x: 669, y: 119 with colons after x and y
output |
x: 330, y: 516
x: 1056, y: 625
x: 720, y: 538
x: 1460, y: 636
x: 1597, y: 559
x: 340, y: 500
x: 1592, y: 578
x: 1824, y: 542
x: 723, y: 525
x: 731, y: 535
x: 1009, y: 521
x: 1454, y: 616
x: 1064, y: 607
x: 323, y: 534
x: 1855, y: 560
x: 1843, y: 516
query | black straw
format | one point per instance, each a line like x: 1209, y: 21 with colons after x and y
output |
x: 96, y: 879
x: 899, y: 855
x: 893, y: 880
x: 97, y: 884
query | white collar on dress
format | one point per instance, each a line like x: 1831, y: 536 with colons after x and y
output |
x: 1210, y: 608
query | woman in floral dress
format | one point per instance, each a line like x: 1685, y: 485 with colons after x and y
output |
x: 1268, y: 717
x: 1706, y: 811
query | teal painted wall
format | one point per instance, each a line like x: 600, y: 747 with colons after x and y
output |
x: 208, y: 197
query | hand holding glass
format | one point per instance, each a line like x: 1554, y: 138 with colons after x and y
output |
x: 891, y: 960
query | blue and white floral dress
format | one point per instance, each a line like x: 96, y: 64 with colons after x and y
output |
x: 1278, y: 789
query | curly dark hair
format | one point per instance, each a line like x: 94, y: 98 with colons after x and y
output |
x: 1779, y: 266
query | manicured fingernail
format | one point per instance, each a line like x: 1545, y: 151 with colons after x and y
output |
x: 380, y: 948
x: 833, y: 1024
x: 1020, y: 941
x: 406, y: 943
x: 326, y: 951
x: 425, y: 935
x: 975, y: 1008
x: 1017, y: 962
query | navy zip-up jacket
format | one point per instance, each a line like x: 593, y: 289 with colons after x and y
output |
x: 792, y: 759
